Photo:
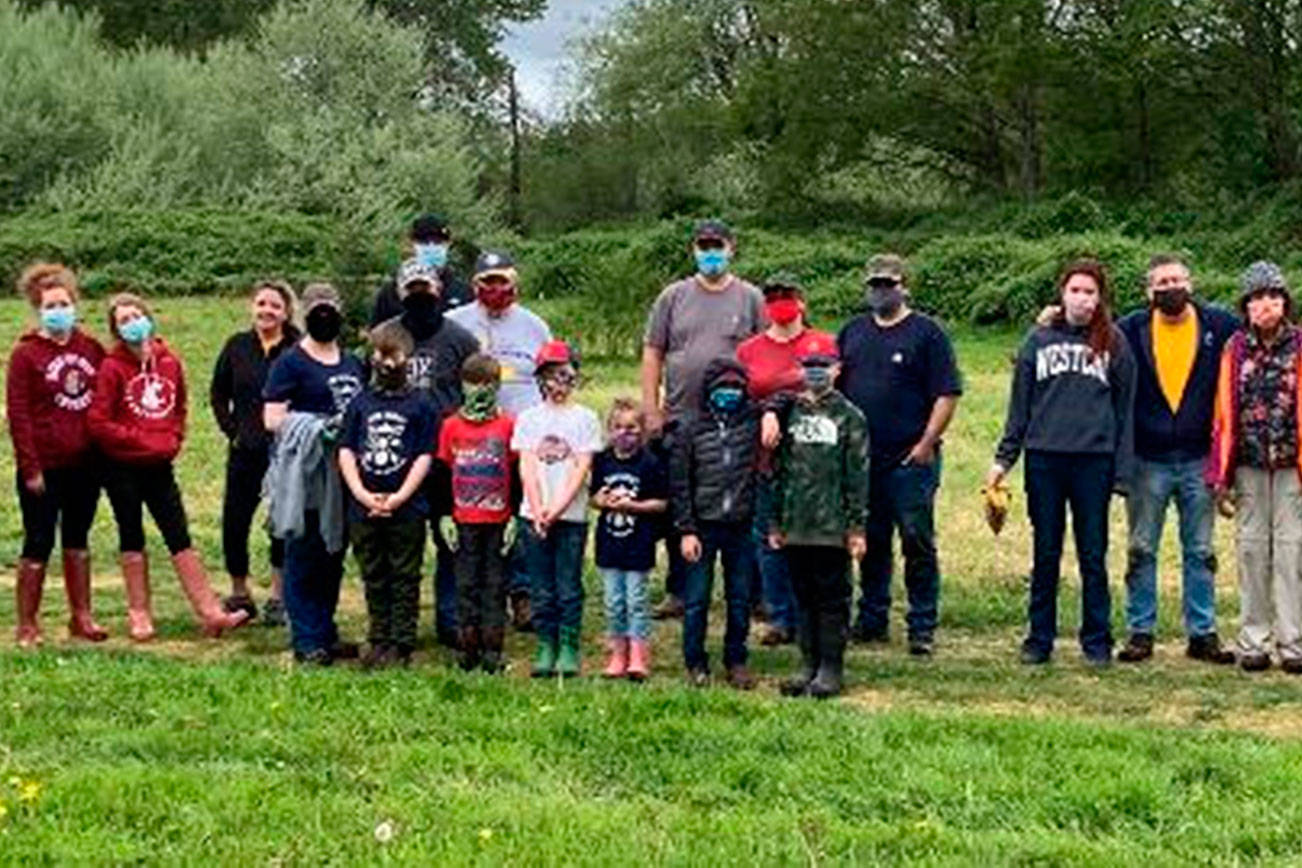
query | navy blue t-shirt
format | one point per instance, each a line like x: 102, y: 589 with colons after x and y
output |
x: 387, y: 432
x: 625, y: 541
x: 308, y: 386
x: 894, y: 375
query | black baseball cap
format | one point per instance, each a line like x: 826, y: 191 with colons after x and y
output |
x: 495, y: 262
x: 429, y: 227
x: 712, y: 230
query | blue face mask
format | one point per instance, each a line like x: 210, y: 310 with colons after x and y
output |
x: 712, y: 263
x: 726, y: 399
x: 136, y: 331
x: 432, y: 255
x: 58, y: 320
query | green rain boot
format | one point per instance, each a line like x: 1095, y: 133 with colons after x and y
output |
x: 544, y: 658
x: 567, y: 662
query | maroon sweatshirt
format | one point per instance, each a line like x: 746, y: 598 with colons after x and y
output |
x: 138, y: 415
x: 49, y: 388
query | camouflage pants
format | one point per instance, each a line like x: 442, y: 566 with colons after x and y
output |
x: 389, y: 553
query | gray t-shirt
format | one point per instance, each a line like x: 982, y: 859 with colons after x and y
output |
x: 692, y: 326
x: 559, y: 436
x: 513, y: 339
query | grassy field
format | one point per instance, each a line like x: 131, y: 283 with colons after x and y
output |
x: 192, y: 750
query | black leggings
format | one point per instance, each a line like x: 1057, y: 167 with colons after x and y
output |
x: 69, y: 502
x: 131, y: 487
x: 245, y: 469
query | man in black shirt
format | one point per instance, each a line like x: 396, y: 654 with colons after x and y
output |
x: 898, y: 368
x: 431, y: 240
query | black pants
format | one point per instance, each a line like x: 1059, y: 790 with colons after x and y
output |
x: 69, y: 502
x: 821, y: 579
x: 481, y: 576
x: 1054, y: 480
x: 389, y: 553
x: 131, y: 487
x: 245, y: 469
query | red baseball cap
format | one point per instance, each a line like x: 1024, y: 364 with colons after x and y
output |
x: 555, y: 353
x: 819, y: 348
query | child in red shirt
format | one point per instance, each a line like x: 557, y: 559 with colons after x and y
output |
x: 475, y: 444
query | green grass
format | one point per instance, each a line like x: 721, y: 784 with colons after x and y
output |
x: 192, y: 750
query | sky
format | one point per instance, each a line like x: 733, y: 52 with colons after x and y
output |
x: 538, y: 49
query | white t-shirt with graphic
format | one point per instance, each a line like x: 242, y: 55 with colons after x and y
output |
x: 514, y: 339
x: 558, y: 435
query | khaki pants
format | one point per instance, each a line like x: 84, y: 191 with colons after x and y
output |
x: 1268, y: 537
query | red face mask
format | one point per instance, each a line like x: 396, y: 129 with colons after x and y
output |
x: 495, y: 298
x: 784, y: 311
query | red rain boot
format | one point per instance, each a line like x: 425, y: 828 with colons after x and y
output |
x: 76, y: 583
x: 205, y: 602
x: 27, y: 602
x: 135, y: 578
x: 639, y: 659
x: 617, y: 662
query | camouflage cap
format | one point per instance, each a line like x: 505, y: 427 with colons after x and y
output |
x: 884, y: 266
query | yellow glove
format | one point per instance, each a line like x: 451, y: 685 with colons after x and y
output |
x: 996, y: 497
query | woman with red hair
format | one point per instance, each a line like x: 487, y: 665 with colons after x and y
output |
x: 49, y: 387
x: 1071, y: 412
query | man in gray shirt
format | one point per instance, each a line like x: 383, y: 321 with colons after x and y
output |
x: 694, y: 321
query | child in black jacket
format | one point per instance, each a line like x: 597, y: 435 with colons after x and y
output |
x: 712, y: 473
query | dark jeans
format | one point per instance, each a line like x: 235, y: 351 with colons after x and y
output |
x: 824, y: 592
x: 312, y: 579
x: 774, y: 567
x: 68, y: 503
x: 1054, y: 480
x: 131, y: 487
x: 676, y: 572
x: 481, y: 576
x: 245, y: 469
x: 556, y: 570
x: 445, y: 582
x: 732, y: 543
x: 389, y: 554
x: 903, y: 498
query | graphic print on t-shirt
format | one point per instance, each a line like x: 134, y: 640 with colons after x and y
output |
x: 150, y: 396
x: 553, y: 450
x: 621, y: 525
x: 70, y: 377
x: 382, y: 452
x: 478, y: 480
x: 343, y: 388
x: 815, y: 430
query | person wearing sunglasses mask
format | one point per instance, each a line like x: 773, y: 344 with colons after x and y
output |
x: 898, y: 368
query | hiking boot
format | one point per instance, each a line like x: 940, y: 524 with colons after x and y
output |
x: 318, y: 659
x: 342, y: 650
x: 1292, y: 665
x: 492, y: 639
x: 1033, y: 656
x: 670, y: 607
x: 1208, y: 648
x: 1254, y: 662
x: 468, y: 648
x: 921, y: 645
x: 240, y: 603
x: 379, y: 656
x: 544, y: 658
x: 1096, y: 660
x: 521, y: 611
x: 273, y: 613
x: 866, y: 635
x: 774, y: 635
x: 1138, y: 647
x: 446, y: 636
x: 639, y: 659
x: 827, y: 683
x: 698, y: 677
x: 568, y: 661
x: 740, y: 678
x: 617, y: 657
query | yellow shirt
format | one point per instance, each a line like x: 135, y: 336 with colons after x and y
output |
x: 1174, y: 348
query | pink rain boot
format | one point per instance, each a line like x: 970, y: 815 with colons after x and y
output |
x: 639, y: 659
x: 617, y: 662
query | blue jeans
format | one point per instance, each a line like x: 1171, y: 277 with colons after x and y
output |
x: 1156, y: 485
x: 556, y: 570
x: 734, y: 546
x: 774, y: 569
x: 627, y: 613
x: 312, y: 577
x: 901, y: 497
x: 517, y: 563
x: 1053, y: 480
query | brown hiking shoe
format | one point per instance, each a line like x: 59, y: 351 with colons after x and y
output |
x: 1138, y: 647
x: 1208, y: 648
x: 740, y: 678
x: 521, y: 611
x: 774, y: 635
x: 670, y: 607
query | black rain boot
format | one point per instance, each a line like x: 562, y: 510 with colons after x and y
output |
x: 807, y: 638
x: 831, y: 652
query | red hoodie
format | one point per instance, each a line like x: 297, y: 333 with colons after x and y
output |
x: 138, y: 415
x: 48, y: 393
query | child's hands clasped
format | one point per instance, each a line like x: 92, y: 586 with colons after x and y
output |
x: 857, y: 545
x: 691, y: 548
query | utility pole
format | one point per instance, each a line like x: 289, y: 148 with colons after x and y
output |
x: 515, y: 215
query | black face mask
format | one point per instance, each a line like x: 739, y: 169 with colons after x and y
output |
x: 885, y: 301
x: 323, y: 323
x: 391, y: 377
x: 1171, y: 302
x: 423, y: 314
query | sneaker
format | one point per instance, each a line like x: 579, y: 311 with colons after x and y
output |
x: 1032, y: 656
x: 345, y: 650
x: 920, y: 646
x: 1099, y: 661
x: 798, y: 686
x: 1138, y: 647
x: 240, y: 603
x: 740, y: 678
x: 320, y: 658
x: 1292, y: 665
x: 698, y: 678
x: 1257, y: 662
x: 864, y: 634
x: 1208, y: 648
x: 670, y: 607
x: 774, y: 635
x: 273, y: 613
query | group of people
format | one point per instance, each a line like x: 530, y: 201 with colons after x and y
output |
x: 781, y: 452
